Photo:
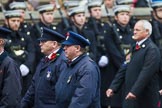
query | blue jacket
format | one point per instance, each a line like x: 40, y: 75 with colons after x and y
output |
x: 10, y: 82
x: 41, y: 93
x: 79, y: 85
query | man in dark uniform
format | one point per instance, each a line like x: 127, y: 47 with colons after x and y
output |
x: 140, y: 75
x: 133, y: 18
x: 79, y: 85
x: 24, y: 26
x: 122, y: 31
x: 100, y: 29
x: 20, y: 47
x: 65, y: 23
x: 78, y: 18
x: 41, y: 93
x: 122, y: 37
x: 10, y: 76
x: 107, y: 52
x: 46, y: 19
x: 157, y: 31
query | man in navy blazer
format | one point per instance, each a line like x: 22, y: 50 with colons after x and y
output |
x: 140, y: 73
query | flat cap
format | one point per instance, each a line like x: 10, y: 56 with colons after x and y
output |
x: 51, y: 35
x: 76, y: 39
x: 121, y: 8
x: 17, y: 5
x: 76, y: 10
x: 71, y: 3
x: 156, y: 3
x: 12, y: 13
x: 119, y: 2
x: 96, y: 3
x: 45, y: 8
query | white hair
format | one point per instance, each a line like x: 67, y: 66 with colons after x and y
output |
x: 147, y: 25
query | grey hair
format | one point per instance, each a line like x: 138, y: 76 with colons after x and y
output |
x: 147, y: 25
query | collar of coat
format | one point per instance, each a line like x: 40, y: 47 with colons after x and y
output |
x: 3, y: 56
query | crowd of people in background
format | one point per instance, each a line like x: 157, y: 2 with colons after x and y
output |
x: 81, y: 62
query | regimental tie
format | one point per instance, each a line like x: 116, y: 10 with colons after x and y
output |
x: 137, y: 47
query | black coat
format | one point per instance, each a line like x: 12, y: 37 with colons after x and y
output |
x: 21, y: 49
x: 41, y: 93
x: 105, y: 46
x: 140, y: 77
x: 100, y: 30
x: 79, y: 85
x: 10, y: 82
x: 156, y: 36
x: 26, y: 28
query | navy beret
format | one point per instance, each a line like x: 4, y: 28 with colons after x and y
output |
x: 50, y: 35
x: 76, y: 39
x: 4, y: 32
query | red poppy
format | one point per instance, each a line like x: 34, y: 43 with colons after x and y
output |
x: 53, y: 56
x: 137, y: 47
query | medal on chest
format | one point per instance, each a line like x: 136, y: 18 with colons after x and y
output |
x: 48, y: 76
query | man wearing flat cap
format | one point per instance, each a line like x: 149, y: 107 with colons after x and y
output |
x: 10, y: 76
x: 79, y: 85
x: 20, y: 47
x: 41, y: 93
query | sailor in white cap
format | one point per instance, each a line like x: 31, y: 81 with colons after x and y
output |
x: 18, y: 6
x: 156, y: 32
x: 121, y: 35
x: 105, y: 49
x: 78, y: 18
x: 46, y: 14
x: 21, y: 6
x: 157, y: 9
x: 20, y: 47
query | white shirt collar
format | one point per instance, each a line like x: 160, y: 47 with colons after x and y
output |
x: 140, y: 42
x: 49, y: 56
x: 1, y: 52
x: 74, y: 58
